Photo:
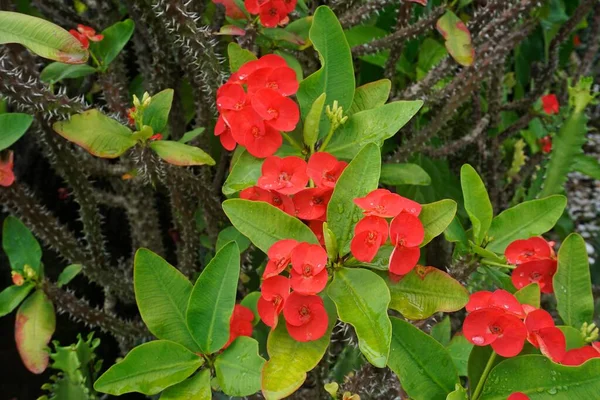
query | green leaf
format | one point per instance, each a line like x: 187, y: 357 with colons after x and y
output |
x: 362, y: 300
x: 57, y: 71
x: 477, y: 202
x: 191, y: 135
x: 265, y: 224
x: 13, y: 125
x: 572, y: 283
x: 180, y: 154
x: 404, y: 174
x: 530, y: 294
x: 312, y: 121
x: 425, y: 291
x: 330, y: 240
x: 458, y: 38
x: 460, y: 393
x: 68, y: 274
x: 238, y: 56
x: 162, y: 294
x: 12, y: 296
x: 239, y: 367
x: 442, y: 331
x: 359, y: 178
x: 478, y: 359
x: 371, y: 126
x: 149, y: 369
x: 422, y: 364
x: 430, y: 54
x: 290, y: 360
x: 541, y: 379
x: 34, y: 326
x: 436, y: 217
x: 230, y: 234
x: 587, y: 165
x: 244, y: 174
x: 371, y: 95
x: 196, y: 387
x: 251, y: 302
x: 156, y: 114
x: 213, y: 299
x: 292, y: 62
x: 42, y: 37
x: 573, y: 337
x: 20, y: 246
x: 531, y: 218
x: 460, y: 349
x: 98, y: 134
x: 336, y: 76
x: 116, y: 37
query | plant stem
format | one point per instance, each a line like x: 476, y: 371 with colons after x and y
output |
x: 332, y: 129
x: 486, y: 372
x: 495, y: 264
x: 292, y: 141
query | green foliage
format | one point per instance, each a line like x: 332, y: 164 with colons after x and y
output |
x: 530, y: 294
x: 181, y: 154
x: 371, y: 95
x: 12, y: 296
x: 196, y: 387
x: 115, y: 38
x: 68, y: 274
x: 20, y: 246
x: 238, y: 56
x: 477, y: 202
x: 156, y: 114
x: 404, y: 174
x: 57, y: 71
x: 14, y: 125
x: 313, y: 120
x: 239, y: 367
x: 436, y: 217
x: 442, y: 331
x: 458, y: 38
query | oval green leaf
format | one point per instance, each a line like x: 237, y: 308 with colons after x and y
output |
x: 12, y: 296
x: 458, y: 38
x: 477, y: 202
x: 312, y: 121
x: 116, y: 37
x: 436, y: 217
x: 68, y: 274
x: 149, y: 369
x: 156, y: 114
x: 181, y: 154
x: 239, y: 367
x: 57, y: 71
x: 530, y: 294
x: 371, y: 95
x: 404, y: 174
x: 196, y: 387
x: 162, y: 294
x: 423, y: 365
x: 460, y: 349
x: 244, y: 174
x: 213, y: 299
x: 14, y: 125
x: 238, y: 56
x: 21, y: 246
x: 362, y: 300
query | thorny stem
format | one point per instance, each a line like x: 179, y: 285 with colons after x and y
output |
x: 486, y: 372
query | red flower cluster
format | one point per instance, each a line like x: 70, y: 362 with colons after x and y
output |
x: 535, y: 260
x: 546, y: 143
x: 254, y: 107
x: 285, y: 177
x: 304, y: 312
x: 271, y: 12
x: 550, y: 104
x: 7, y: 176
x: 84, y: 34
x: 405, y: 231
x: 240, y: 323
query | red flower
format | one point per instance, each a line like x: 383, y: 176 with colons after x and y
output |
x: 521, y: 251
x: 224, y: 134
x: 536, y: 271
x: 305, y: 317
x: 499, y: 299
x: 576, y: 41
x: 579, y: 356
x: 231, y: 9
x: 272, y: 13
x: 550, y: 104
x: 383, y: 203
x: 312, y: 203
x: 274, y: 293
x: 278, y: 111
x: 269, y: 61
x: 253, y: 6
x: 255, y: 193
x: 546, y: 143
x: 249, y: 130
x: 518, y: 396
x: 324, y: 169
x: 490, y: 326
x: 543, y: 334
x: 308, y: 275
x: 280, y: 256
x: 406, y: 234
x: 84, y: 34
x: 316, y: 227
x: 232, y: 96
x: 284, y: 175
x: 7, y: 176
x: 283, y: 80
x: 369, y: 235
x: 240, y: 323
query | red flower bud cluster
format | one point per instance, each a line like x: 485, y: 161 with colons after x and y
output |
x: 305, y: 267
x: 499, y: 320
x: 536, y: 263
x: 255, y: 108
x: 7, y: 176
x: 240, y: 323
x: 84, y: 34
x: 550, y: 104
x: 405, y: 231
x: 271, y: 12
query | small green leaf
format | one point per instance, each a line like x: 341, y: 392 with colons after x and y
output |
x: 230, y: 234
x: 572, y: 283
x: 238, y: 56
x: 196, y: 387
x: 56, y: 72
x: 442, y: 331
x: 460, y: 393
x: 362, y: 300
x: 34, y: 327
x: 330, y: 242
x: 265, y: 224
x: 244, y: 174
x: 20, y: 246
x: 239, y: 367
x: 12, y: 296
x: 312, y: 121
x: 162, y: 294
x: 425, y: 291
x: 116, y: 37
x: 477, y: 202
x: 149, y: 369
x: 530, y: 294
x: 14, y: 125
x: 191, y: 135
x: 460, y: 349
x: 156, y: 114
x: 531, y: 218
x: 573, y: 337
x: 404, y: 174
x: 436, y: 217
x: 42, y: 37
x: 68, y: 274
x: 422, y: 364
x: 180, y: 154
x: 213, y: 299
x: 458, y: 38
x: 371, y: 95
x: 359, y: 178
x: 98, y: 134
